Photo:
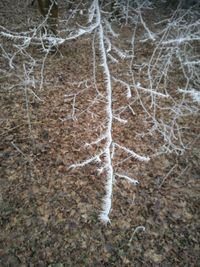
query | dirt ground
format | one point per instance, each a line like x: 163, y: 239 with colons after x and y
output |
x: 49, y: 212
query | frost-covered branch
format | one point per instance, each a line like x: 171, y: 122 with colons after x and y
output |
x: 136, y: 82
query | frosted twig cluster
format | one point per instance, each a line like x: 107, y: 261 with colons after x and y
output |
x: 146, y: 78
x: 172, y: 52
x: 108, y: 151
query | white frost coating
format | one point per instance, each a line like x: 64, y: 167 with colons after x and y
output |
x: 104, y: 218
x: 107, y: 201
x: 109, y: 148
x: 19, y: 36
x: 109, y: 28
x: 113, y: 59
x: 151, y: 34
x: 135, y: 155
x: 128, y: 93
x: 150, y: 91
x: 85, y: 162
x: 91, y: 13
x: 173, y: 45
x: 131, y: 180
x: 119, y: 119
x: 120, y: 53
x: 96, y: 141
x: 102, y: 30
x: 181, y: 40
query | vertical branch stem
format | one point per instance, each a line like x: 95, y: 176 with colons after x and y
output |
x: 104, y: 216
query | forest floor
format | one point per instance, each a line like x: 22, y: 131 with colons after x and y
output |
x: 49, y: 212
